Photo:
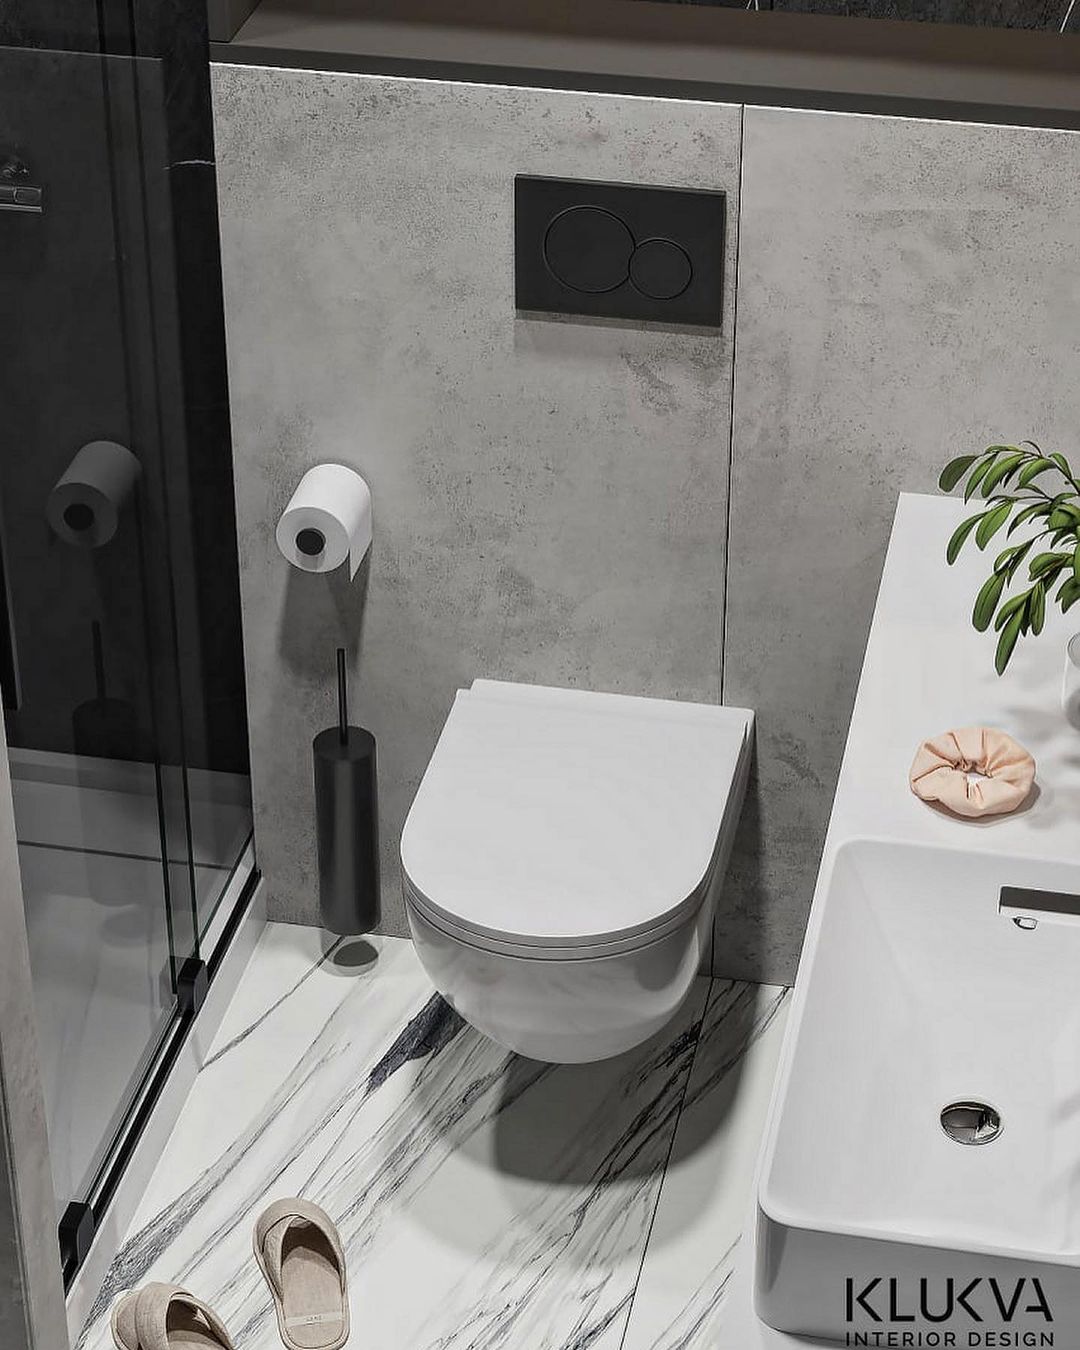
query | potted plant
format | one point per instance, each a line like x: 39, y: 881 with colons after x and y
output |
x: 1019, y: 486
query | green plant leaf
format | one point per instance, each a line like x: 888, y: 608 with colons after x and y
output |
x: 1031, y: 471
x: 1050, y: 576
x: 1005, y: 557
x: 1001, y: 471
x: 1069, y: 594
x: 991, y: 522
x: 1037, y: 608
x: 959, y: 535
x: 986, y: 601
x: 976, y: 476
x: 1009, y: 559
x: 1045, y: 562
x: 954, y: 471
x: 1018, y: 557
x: 1007, y: 641
x: 1009, y: 608
x: 1007, y: 478
x: 1029, y: 513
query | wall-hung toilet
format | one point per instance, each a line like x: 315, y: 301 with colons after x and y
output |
x: 562, y: 858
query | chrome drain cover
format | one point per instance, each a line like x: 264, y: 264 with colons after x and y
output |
x: 971, y: 1122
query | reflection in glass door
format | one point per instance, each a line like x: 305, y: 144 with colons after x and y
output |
x: 119, y: 627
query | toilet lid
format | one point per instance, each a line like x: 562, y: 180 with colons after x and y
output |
x: 554, y: 817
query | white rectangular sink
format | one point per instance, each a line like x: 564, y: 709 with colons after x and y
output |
x: 918, y: 992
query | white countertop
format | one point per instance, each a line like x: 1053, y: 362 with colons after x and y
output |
x: 926, y: 671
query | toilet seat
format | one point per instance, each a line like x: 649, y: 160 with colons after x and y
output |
x: 556, y: 823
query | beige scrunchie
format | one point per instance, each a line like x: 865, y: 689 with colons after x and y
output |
x: 941, y: 768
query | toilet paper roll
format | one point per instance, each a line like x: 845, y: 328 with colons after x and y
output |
x: 327, y: 520
x: 84, y: 507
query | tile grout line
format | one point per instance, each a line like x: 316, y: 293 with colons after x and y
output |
x: 667, y: 1161
x: 731, y: 401
x: 731, y: 456
x: 214, y: 1054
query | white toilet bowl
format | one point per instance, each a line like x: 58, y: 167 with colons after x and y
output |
x: 562, y: 858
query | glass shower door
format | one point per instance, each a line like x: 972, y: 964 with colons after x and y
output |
x: 90, y: 660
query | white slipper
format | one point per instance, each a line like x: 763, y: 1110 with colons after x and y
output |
x: 299, y: 1252
x: 166, y: 1317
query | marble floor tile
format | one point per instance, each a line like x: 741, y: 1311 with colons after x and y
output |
x: 682, y: 1296
x: 484, y: 1200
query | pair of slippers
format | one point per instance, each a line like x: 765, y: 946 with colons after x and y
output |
x: 299, y: 1252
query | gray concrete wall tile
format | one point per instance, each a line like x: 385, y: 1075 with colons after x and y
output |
x: 550, y: 498
x: 908, y: 291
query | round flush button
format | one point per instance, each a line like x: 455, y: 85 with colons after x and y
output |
x: 588, y: 249
x: 660, y: 269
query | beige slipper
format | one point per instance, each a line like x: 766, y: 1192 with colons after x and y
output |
x: 166, y: 1317
x: 299, y: 1252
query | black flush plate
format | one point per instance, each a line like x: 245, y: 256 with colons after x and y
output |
x: 619, y: 251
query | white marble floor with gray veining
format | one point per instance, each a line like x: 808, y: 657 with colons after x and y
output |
x: 484, y: 1200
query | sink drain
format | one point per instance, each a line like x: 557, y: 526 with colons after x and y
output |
x: 971, y: 1122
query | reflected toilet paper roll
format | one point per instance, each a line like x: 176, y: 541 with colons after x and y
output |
x: 85, y: 506
x: 327, y: 520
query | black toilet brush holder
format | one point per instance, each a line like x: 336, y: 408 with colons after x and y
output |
x: 104, y: 727
x: 347, y: 821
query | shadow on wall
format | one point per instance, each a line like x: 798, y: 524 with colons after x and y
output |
x: 330, y: 604
x: 744, y: 894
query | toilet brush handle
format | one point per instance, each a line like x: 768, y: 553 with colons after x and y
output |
x: 342, y: 698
